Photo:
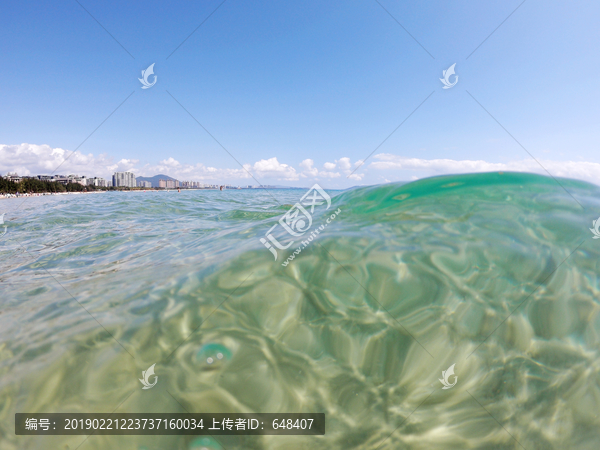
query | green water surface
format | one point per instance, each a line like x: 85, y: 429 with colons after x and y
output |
x: 497, y: 274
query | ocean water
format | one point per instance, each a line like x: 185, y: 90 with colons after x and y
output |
x: 496, y: 274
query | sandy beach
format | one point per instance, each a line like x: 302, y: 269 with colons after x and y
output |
x: 35, y: 194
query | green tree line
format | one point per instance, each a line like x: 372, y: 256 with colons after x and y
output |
x: 33, y: 185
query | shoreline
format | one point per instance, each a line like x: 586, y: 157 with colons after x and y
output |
x: 43, y: 194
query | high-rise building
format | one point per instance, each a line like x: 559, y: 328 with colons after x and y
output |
x: 144, y: 184
x: 60, y: 179
x: 169, y: 184
x: 192, y: 184
x: 77, y: 179
x: 13, y: 177
x: 97, y: 181
x: 125, y: 179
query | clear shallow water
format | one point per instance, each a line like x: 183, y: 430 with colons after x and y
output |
x: 408, y: 280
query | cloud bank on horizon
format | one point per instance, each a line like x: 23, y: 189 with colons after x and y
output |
x: 32, y: 159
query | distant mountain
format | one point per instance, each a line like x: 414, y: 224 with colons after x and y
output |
x: 154, y: 180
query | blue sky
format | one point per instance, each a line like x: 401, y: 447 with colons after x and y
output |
x: 279, y: 84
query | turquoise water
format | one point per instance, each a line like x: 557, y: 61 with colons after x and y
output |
x: 497, y: 274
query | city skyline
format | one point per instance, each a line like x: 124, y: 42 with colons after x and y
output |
x: 127, y: 180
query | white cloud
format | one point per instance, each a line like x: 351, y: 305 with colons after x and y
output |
x: 191, y: 172
x: 309, y: 169
x: 124, y: 165
x: 587, y: 171
x: 313, y: 172
x: 341, y: 164
x: 271, y: 168
x: 171, y: 162
x: 344, y: 163
x: 330, y: 174
x: 31, y: 159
